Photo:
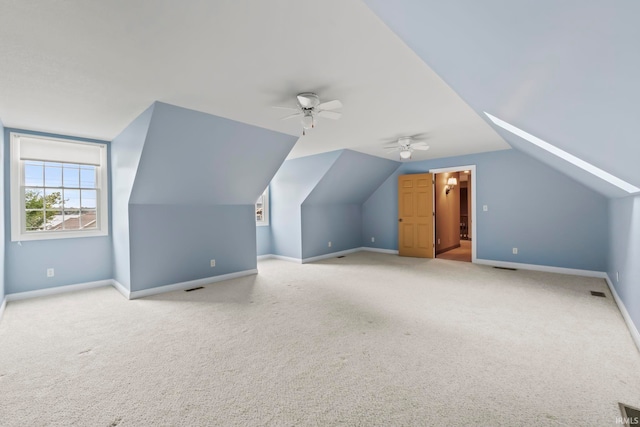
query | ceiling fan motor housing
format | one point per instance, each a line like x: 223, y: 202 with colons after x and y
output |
x: 308, y: 100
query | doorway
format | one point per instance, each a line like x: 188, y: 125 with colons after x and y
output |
x: 454, y: 206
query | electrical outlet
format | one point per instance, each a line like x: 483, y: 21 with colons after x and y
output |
x: 213, y: 263
x: 438, y: 241
x: 50, y: 272
x: 329, y: 244
x: 515, y: 251
x: 485, y: 208
x: 373, y: 239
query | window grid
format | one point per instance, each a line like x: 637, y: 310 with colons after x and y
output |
x: 69, y: 205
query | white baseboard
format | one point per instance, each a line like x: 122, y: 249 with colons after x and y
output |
x: 190, y: 284
x: 284, y: 258
x: 58, y: 290
x: 547, y: 268
x: 120, y: 288
x: 331, y: 255
x: 379, y: 250
x: 327, y: 256
x: 633, y: 330
x: 3, y: 306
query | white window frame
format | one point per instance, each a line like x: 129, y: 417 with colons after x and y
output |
x: 265, y: 209
x: 18, y: 230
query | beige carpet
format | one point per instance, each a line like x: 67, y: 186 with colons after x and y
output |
x: 365, y: 340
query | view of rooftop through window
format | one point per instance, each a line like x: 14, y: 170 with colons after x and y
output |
x: 59, y: 196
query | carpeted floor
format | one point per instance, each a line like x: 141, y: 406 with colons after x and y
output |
x: 365, y: 340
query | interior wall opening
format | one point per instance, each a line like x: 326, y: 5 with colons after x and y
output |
x: 453, y: 207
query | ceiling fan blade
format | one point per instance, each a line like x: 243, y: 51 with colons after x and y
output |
x: 330, y: 105
x: 279, y: 107
x: 391, y: 146
x: 292, y: 116
x: 418, y: 136
x: 329, y: 114
x: 420, y: 147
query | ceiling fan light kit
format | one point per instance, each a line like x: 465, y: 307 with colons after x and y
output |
x: 309, y: 107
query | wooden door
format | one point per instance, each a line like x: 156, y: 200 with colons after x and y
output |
x: 415, y: 215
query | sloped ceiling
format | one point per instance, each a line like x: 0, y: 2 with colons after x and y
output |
x: 564, y: 71
x: 351, y: 179
x: 88, y: 68
x: 195, y: 158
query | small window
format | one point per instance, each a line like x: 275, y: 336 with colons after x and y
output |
x: 262, y: 208
x: 58, y: 188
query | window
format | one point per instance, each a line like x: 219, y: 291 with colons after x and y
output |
x: 262, y: 208
x: 58, y: 188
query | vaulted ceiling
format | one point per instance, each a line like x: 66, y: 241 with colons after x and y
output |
x: 564, y: 71
x: 89, y: 68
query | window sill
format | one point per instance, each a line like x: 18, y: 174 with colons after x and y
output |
x: 28, y: 237
x: 262, y: 224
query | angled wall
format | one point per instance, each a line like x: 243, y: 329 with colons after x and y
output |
x: 193, y: 198
x: 126, y: 151
x: 332, y: 212
x: 289, y: 188
x: 562, y: 71
x: 624, y: 253
x: 553, y: 220
x: 75, y: 261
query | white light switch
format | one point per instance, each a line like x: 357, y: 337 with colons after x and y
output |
x: 485, y: 208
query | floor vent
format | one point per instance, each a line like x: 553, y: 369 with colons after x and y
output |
x: 598, y: 294
x: 194, y: 289
x: 341, y: 256
x: 630, y: 416
x: 506, y: 268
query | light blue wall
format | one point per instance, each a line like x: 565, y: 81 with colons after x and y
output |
x: 624, y: 234
x: 126, y: 150
x: 194, y: 195
x: 340, y: 224
x: 2, y: 235
x: 351, y: 179
x: 175, y: 243
x: 78, y: 260
x: 263, y: 240
x: 290, y: 186
x: 551, y: 219
x: 196, y: 158
x: 332, y: 212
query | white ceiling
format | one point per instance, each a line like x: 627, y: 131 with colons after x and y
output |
x: 88, y: 68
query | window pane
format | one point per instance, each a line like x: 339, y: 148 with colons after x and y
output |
x: 53, y: 198
x: 88, y: 199
x: 34, y: 219
x: 71, y: 176
x: 34, y: 198
x: 54, y: 219
x: 87, y: 176
x: 33, y: 175
x: 52, y: 176
x: 71, y: 199
x: 88, y: 219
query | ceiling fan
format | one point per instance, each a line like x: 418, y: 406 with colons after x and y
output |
x: 407, y: 144
x: 308, y: 107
